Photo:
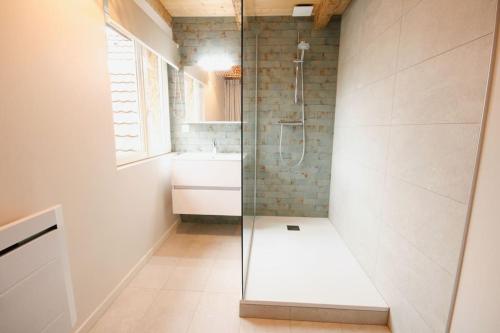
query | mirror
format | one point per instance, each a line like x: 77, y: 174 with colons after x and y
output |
x: 212, y: 96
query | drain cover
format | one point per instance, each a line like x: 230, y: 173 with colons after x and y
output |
x: 293, y: 227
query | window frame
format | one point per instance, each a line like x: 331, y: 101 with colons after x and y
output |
x: 143, y: 111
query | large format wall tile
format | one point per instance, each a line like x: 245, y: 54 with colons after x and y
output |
x: 369, y: 106
x: 358, y: 207
x: 379, y: 16
x: 435, y: 26
x: 379, y: 58
x: 449, y: 88
x: 348, y: 77
x: 403, y: 315
x: 351, y: 31
x: 435, y: 230
x: 366, y: 145
x: 425, y: 285
x: 440, y: 158
x: 409, y: 4
x: 410, y: 97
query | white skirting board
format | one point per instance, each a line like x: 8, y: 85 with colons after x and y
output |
x: 36, y: 294
x: 106, y: 303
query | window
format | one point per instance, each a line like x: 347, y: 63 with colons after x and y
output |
x: 139, y: 96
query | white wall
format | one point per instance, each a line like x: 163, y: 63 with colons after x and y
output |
x: 477, y: 307
x: 411, y: 87
x: 56, y: 144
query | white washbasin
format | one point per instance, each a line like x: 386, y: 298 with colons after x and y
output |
x: 209, y: 156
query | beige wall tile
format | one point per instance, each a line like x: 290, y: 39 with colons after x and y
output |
x: 358, y: 209
x: 338, y: 315
x: 409, y: 4
x: 264, y: 311
x: 348, y: 75
x: 425, y: 285
x: 440, y: 158
x: 432, y: 223
x: 449, y: 88
x: 366, y: 145
x: 370, y: 105
x: 351, y: 30
x: 379, y: 59
x: 402, y: 317
x: 435, y: 26
x: 423, y: 77
x: 379, y: 16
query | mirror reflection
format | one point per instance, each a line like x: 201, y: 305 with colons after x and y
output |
x: 212, y: 96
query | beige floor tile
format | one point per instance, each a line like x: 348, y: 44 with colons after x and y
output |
x: 152, y: 276
x: 188, y: 278
x: 126, y: 311
x: 251, y: 325
x: 195, y: 262
x: 202, y: 248
x: 171, y: 312
x: 225, y: 276
x: 364, y: 329
x: 216, y: 313
x: 163, y: 260
x: 230, y: 249
x: 174, y: 247
x: 312, y: 327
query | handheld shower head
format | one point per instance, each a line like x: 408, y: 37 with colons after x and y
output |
x: 303, y: 46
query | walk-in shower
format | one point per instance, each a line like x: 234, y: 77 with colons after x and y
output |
x: 290, y: 70
x: 299, y: 99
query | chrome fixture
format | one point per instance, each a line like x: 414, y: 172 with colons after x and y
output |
x: 302, y: 46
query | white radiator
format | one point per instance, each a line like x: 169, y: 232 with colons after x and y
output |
x: 36, y: 294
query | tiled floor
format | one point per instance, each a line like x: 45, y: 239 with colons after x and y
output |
x: 192, y: 284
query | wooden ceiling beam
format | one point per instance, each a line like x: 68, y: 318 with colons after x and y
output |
x: 324, y: 11
x: 161, y: 10
x: 237, y: 12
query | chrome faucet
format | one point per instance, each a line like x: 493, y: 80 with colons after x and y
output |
x: 214, y: 149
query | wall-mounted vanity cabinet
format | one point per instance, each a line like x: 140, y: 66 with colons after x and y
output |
x: 207, y: 184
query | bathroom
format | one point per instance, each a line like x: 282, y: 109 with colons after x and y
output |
x: 249, y: 166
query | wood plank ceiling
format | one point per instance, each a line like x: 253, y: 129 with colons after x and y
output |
x: 323, y: 9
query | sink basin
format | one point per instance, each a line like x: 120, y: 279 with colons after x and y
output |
x: 209, y: 156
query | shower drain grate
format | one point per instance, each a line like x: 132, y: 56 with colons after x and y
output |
x: 293, y: 227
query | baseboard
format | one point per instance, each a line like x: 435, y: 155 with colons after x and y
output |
x: 101, y: 308
x: 317, y: 313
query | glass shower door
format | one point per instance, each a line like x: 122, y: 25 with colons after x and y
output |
x: 248, y: 140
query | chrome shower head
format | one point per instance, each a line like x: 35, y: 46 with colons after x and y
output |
x: 303, y: 45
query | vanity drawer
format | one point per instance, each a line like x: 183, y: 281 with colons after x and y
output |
x: 207, y: 173
x: 206, y: 201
